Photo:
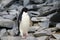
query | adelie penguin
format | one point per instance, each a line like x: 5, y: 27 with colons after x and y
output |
x: 24, y: 22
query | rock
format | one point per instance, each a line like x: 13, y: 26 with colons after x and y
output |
x: 43, y: 38
x: 35, y: 23
x: 44, y: 24
x: 58, y: 26
x: 3, y: 13
x: 6, y: 23
x: 44, y: 9
x: 42, y: 33
x: 20, y: 8
x: 39, y: 19
x: 52, y: 39
x: 34, y: 19
x: 29, y: 6
x: 37, y: 1
x: 3, y: 32
x: 17, y: 38
x: 33, y: 29
x: 5, y: 3
x: 10, y: 38
x: 49, y: 16
x: 1, y: 17
x: 57, y: 36
x: 31, y: 38
x: 51, y: 29
x: 25, y: 2
x: 11, y: 17
x: 13, y: 31
x: 14, y: 6
x: 34, y: 13
x: 13, y: 12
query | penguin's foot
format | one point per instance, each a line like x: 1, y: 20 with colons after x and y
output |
x: 25, y: 35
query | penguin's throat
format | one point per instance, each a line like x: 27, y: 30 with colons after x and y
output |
x: 24, y: 12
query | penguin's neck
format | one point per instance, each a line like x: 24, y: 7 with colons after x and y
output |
x: 24, y: 12
x: 25, y: 15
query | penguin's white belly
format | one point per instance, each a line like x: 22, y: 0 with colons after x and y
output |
x: 25, y: 23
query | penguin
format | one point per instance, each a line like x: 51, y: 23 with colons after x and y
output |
x: 24, y: 22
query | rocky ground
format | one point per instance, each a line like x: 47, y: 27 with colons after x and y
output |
x: 39, y: 10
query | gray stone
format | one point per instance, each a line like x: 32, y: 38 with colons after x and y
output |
x: 51, y: 29
x: 20, y: 8
x: 25, y: 2
x: 11, y: 17
x: 10, y: 38
x: 13, y: 12
x: 49, y: 16
x: 31, y: 38
x: 46, y: 10
x: 14, y: 6
x: 58, y: 26
x: 3, y: 32
x: 38, y: 1
x: 4, y: 3
x: 34, y: 19
x: 1, y: 17
x: 6, y: 23
x: 34, y: 13
x: 13, y: 31
x: 3, y: 13
x: 17, y: 38
x: 42, y: 33
x: 44, y: 24
x: 52, y: 39
x: 39, y: 19
x: 29, y: 6
x: 57, y: 36
x: 33, y: 29
x: 42, y: 38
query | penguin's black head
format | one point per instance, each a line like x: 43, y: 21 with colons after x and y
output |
x: 24, y: 9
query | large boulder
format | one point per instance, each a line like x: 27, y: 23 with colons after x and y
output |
x: 6, y: 23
